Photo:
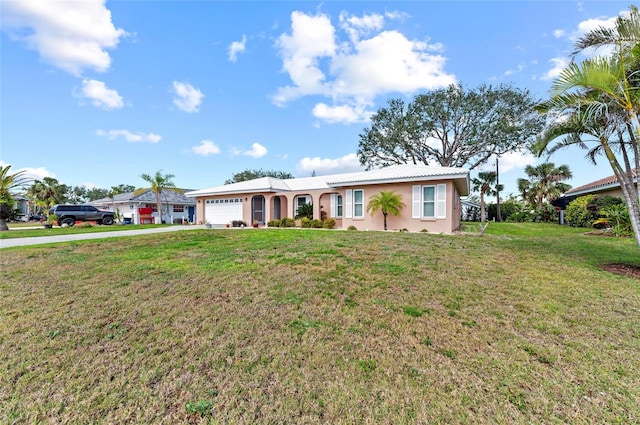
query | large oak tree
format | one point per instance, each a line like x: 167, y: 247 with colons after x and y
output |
x: 452, y: 127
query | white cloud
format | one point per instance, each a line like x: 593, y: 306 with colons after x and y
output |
x: 354, y: 71
x: 206, y: 148
x: 312, y: 38
x: 509, y: 161
x: 72, y: 35
x: 558, y: 33
x: 256, y: 151
x: 359, y: 26
x: 322, y: 166
x: 518, y: 69
x: 100, y: 95
x: 341, y: 113
x: 34, y: 173
x: 237, y: 47
x: 129, y: 136
x: 188, y: 98
x: 558, y: 65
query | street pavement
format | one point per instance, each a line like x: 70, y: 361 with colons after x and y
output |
x: 39, y: 240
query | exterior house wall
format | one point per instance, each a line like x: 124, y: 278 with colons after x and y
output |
x: 405, y: 220
x: 321, y: 200
x: 616, y: 191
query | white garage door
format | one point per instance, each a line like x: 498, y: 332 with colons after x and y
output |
x: 223, y: 211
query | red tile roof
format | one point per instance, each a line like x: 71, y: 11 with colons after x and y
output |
x: 593, y: 186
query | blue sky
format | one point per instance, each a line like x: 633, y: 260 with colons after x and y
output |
x: 96, y: 93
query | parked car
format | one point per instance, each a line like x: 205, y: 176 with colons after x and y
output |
x: 69, y: 214
x: 37, y: 217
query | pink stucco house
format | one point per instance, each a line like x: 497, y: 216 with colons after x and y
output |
x: 431, y: 194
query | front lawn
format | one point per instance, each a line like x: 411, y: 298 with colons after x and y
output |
x: 36, y: 229
x: 317, y: 326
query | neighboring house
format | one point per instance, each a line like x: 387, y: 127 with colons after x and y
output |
x: 22, y: 204
x: 431, y: 195
x: 470, y: 210
x: 176, y: 207
x: 606, y: 186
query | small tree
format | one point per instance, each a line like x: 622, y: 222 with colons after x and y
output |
x: 8, y: 183
x: 305, y: 210
x: 484, y: 184
x: 386, y: 201
x: 159, y: 182
x: 544, y: 183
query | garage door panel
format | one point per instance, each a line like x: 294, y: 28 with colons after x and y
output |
x: 222, y: 211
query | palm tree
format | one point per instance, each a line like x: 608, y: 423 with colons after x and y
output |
x: 484, y: 184
x: 159, y: 182
x: 8, y: 183
x: 388, y: 202
x: 544, y: 183
x: 46, y: 193
x: 600, y: 97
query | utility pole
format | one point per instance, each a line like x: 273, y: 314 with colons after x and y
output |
x: 498, y: 215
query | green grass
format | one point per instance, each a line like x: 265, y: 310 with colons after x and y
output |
x: 290, y: 326
x: 18, y: 230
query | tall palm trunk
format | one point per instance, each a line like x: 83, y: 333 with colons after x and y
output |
x: 159, y: 206
x: 629, y: 189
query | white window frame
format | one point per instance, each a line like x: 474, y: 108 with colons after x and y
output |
x: 336, y: 205
x: 360, y: 203
x: 439, y: 202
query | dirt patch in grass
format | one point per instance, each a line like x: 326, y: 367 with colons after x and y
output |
x: 628, y: 270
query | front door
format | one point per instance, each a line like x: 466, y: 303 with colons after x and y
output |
x: 276, y: 208
x: 257, y: 209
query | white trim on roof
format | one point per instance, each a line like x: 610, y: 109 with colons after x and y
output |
x: 393, y: 174
x: 590, y: 190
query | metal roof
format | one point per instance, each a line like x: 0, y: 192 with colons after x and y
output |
x: 392, y: 174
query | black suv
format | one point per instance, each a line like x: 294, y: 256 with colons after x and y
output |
x: 69, y: 214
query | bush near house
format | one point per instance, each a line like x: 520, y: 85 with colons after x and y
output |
x: 329, y: 223
x: 585, y: 210
x: 287, y: 222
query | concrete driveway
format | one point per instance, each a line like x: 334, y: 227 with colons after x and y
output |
x: 39, y: 240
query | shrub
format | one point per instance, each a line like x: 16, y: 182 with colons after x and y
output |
x: 520, y: 217
x: 316, y: 224
x: 617, y: 218
x: 84, y: 225
x: 238, y: 223
x: 585, y: 210
x: 287, y: 222
x: 544, y: 215
x: 305, y: 210
x: 305, y: 222
x: 352, y: 227
x: 273, y: 223
x: 329, y: 223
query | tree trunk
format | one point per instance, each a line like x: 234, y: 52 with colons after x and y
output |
x: 629, y: 190
x: 3, y: 225
x: 159, y: 206
x: 385, y: 221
